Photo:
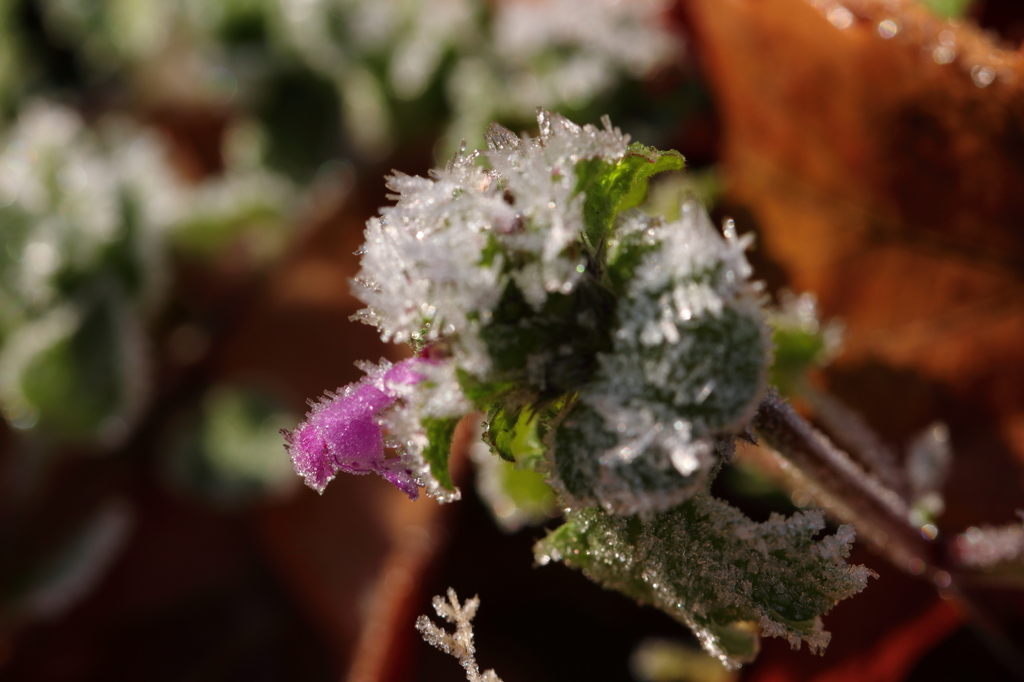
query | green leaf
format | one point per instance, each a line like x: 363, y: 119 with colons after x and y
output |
x: 576, y: 324
x: 614, y: 187
x: 439, y: 447
x: 500, y: 430
x: 516, y: 433
x: 713, y: 569
x: 796, y: 351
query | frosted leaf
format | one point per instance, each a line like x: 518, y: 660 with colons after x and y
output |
x: 64, y: 193
x: 714, y: 570
x: 636, y: 469
x: 422, y: 276
x: 689, y: 341
x: 687, y: 364
x: 460, y: 642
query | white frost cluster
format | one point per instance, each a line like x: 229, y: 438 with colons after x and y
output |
x: 430, y: 269
x: 459, y: 643
x: 509, y: 57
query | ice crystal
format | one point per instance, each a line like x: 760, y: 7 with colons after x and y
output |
x: 710, y: 567
x: 459, y: 643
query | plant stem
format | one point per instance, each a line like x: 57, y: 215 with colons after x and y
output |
x: 879, y: 513
x: 850, y: 432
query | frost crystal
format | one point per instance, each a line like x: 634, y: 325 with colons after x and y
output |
x: 459, y: 643
x: 721, y: 574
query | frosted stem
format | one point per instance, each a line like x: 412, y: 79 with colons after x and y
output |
x: 856, y: 496
x: 852, y: 433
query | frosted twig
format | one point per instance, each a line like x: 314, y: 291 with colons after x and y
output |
x: 459, y: 643
x: 858, y: 497
x: 852, y: 433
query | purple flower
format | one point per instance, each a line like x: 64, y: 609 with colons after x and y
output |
x: 342, y: 431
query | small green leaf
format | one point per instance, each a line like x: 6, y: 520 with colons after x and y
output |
x: 500, y: 430
x: 439, y: 447
x: 614, y: 187
x: 516, y: 433
x: 796, y: 351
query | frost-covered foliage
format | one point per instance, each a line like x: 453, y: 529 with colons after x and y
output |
x: 715, y: 570
x: 460, y: 236
x: 534, y: 283
x: 616, y: 354
x: 459, y: 643
x: 498, y: 60
x: 687, y: 362
x: 89, y: 219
